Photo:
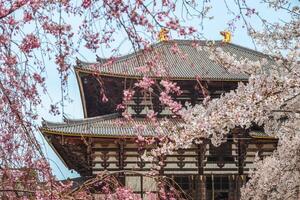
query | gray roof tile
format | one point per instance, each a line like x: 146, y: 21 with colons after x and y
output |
x: 106, y: 125
x: 197, y: 63
x: 113, y: 125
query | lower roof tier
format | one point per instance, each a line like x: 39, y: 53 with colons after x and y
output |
x: 113, y: 125
x: 79, y: 142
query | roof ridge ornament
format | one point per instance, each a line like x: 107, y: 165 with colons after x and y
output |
x: 44, y: 122
x: 78, y: 62
x: 65, y: 119
x: 100, y: 60
x: 226, y: 36
x: 163, y: 35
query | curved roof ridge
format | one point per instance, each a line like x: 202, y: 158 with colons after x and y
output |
x: 68, y: 122
x: 102, y: 60
x: 99, y: 60
x: 251, y: 51
x: 193, y: 62
x: 90, y: 119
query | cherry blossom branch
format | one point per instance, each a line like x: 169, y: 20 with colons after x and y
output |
x: 29, y: 136
x: 16, y: 190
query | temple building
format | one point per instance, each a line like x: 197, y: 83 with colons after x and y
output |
x: 104, y: 140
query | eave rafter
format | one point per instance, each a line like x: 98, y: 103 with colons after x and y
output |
x: 74, y: 156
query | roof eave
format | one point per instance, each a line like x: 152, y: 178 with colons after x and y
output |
x: 79, y: 69
x: 82, y: 96
x: 52, y: 147
x: 52, y: 132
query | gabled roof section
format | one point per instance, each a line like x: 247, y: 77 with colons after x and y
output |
x: 196, y: 63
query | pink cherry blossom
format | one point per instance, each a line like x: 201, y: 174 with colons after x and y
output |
x: 152, y: 115
x: 86, y: 3
x: 29, y: 43
x: 145, y: 83
x: 128, y: 94
x: 171, y: 87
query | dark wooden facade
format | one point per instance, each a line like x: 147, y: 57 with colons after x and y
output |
x: 203, y: 170
x: 113, y: 88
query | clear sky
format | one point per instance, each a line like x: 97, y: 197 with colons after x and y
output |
x: 74, y: 109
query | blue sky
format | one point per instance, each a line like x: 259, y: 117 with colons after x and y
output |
x: 74, y: 109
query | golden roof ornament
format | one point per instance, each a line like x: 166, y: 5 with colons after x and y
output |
x: 163, y: 35
x: 226, y: 36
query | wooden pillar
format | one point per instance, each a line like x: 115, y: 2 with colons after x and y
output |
x: 104, y: 159
x: 194, y: 94
x: 141, y: 164
x: 202, y: 187
x: 240, y: 158
x: 157, y: 106
x: 197, y: 186
x: 200, y: 193
x: 121, y: 164
x: 142, y: 191
x: 242, y: 151
x: 161, y: 160
x: 239, y: 184
x: 232, y: 187
x: 89, y: 152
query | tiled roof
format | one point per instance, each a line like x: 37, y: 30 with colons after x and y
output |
x: 106, y: 125
x: 113, y: 125
x: 196, y: 64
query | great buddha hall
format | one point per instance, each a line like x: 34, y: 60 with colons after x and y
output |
x: 104, y: 140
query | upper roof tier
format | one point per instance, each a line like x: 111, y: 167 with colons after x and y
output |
x: 195, y: 64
